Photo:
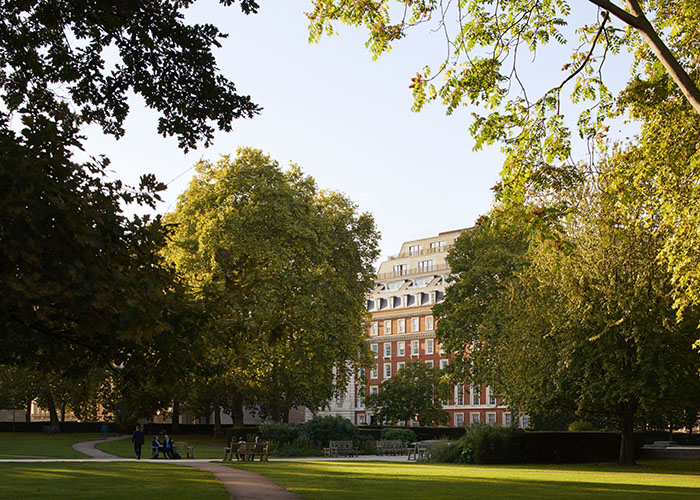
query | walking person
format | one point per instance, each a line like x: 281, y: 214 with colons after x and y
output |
x: 138, y: 439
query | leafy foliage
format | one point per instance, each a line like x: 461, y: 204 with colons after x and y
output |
x: 416, y: 392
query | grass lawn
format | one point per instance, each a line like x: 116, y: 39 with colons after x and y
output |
x: 204, y: 446
x: 383, y: 480
x: 107, y: 481
x: 37, y: 444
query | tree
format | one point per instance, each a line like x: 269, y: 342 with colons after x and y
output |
x: 588, y: 322
x: 487, y: 46
x: 84, y: 281
x: 416, y: 392
x: 284, y: 269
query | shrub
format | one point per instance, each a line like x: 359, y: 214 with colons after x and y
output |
x: 444, y: 451
x: 405, y: 435
x: 490, y: 444
x: 581, y: 425
x: 239, y: 432
x: 365, y: 444
x: 323, y: 429
x: 278, y: 433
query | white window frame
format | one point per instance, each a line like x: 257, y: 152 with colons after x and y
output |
x: 361, y: 398
x: 429, y: 323
x: 373, y: 329
x: 444, y: 363
x: 375, y: 350
x: 459, y: 395
x: 374, y: 372
x: 399, y: 366
x: 474, y: 417
x: 401, y: 325
x: 373, y: 390
x: 361, y: 419
x: 401, y: 348
x: 415, y: 347
x: 525, y: 422
x: 415, y: 324
x: 387, y: 370
x: 491, y: 415
x: 429, y: 363
x: 459, y: 419
x: 473, y: 391
x: 387, y: 350
x: 429, y: 346
x: 490, y: 396
x: 387, y: 327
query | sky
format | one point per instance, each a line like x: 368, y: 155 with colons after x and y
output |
x: 343, y: 118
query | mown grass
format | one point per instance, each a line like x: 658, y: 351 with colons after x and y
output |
x: 382, y: 480
x: 204, y: 446
x: 106, y: 481
x: 36, y: 444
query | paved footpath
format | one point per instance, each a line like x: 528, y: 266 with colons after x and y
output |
x: 241, y: 485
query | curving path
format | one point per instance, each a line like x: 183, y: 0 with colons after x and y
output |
x: 241, y: 485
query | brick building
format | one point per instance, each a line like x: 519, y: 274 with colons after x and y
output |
x: 402, y: 329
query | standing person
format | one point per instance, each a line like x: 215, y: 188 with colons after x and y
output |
x: 138, y: 441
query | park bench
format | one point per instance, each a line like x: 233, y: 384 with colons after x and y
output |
x: 183, y: 447
x: 392, y: 447
x: 336, y: 448
x: 258, y: 449
x: 418, y: 451
x: 236, y: 448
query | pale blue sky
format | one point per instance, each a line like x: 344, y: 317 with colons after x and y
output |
x: 343, y: 118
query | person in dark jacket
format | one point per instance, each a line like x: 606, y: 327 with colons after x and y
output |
x: 138, y: 441
x: 156, y: 447
x: 169, y: 448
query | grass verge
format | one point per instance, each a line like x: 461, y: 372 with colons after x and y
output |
x: 37, y: 444
x: 204, y: 446
x: 382, y: 480
x: 106, y: 481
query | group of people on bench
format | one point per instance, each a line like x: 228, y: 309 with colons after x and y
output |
x: 166, y: 448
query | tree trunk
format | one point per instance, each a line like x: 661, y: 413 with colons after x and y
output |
x: 627, y: 412
x: 217, y: 421
x: 28, y: 416
x: 53, y: 414
x: 237, y: 409
x: 175, y: 421
x: 63, y: 412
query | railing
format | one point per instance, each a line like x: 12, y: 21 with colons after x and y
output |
x: 414, y: 270
x: 423, y: 251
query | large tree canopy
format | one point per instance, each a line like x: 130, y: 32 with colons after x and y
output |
x: 491, y: 47
x: 584, y: 321
x: 285, y: 268
x: 81, y: 280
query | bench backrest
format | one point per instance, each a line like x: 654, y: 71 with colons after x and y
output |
x: 341, y: 445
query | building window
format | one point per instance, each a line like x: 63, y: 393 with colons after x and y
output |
x: 474, y: 418
x: 476, y: 395
x: 429, y: 323
x: 401, y: 325
x: 373, y: 390
x: 429, y: 346
x: 490, y: 418
x: 415, y: 347
x: 429, y: 363
x: 444, y: 363
x: 341, y: 398
x: 375, y: 349
x: 370, y: 305
x: 414, y: 250
x: 373, y: 373
x: 418, y: 299
x: 374, y: 329
x: 491, y: 396
x: 437, y: 246
x: 400, y: 269
x: 415, y: 324
x: 360, y: 398
x: 387, y: 327
x: 399, y: 366
x: 401, y: 348
x: 391, y: 302
x: 459, y: 419
x: 459, y: 394
x: 525, y: 421
x: 387, y: 349
x: 387, y: 370
x: 507, y: 419
x: 361, y: 419
x: 442, y: 350
x: 425, y: 266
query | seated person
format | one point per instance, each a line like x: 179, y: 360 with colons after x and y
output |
x: 169, y: 449
x: 156, y: 447
x: 241, y: 449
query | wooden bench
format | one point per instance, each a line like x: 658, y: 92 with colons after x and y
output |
x: 237, y: 448
x: 336, y: 448
x: 392, y: 447
x: 183, y: 446
x: 258, y: 449
x: 418, y: 451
